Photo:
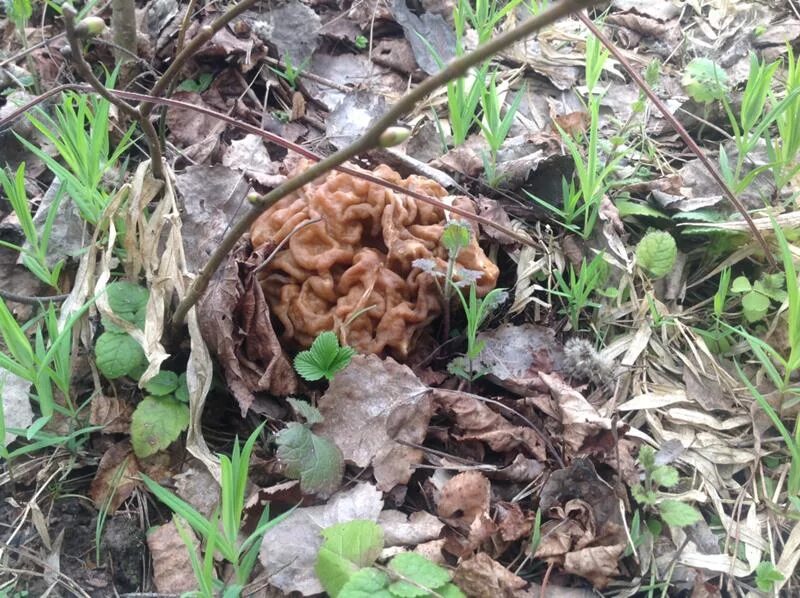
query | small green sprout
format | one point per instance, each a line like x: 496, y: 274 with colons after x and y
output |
x: 323, y: 359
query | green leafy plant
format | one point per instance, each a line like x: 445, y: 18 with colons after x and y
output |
x: 161, y: 416
x: 346, y: 566
x: 757, y: 297
x: 705, y: 81
x: 579, y: 286
x: 361, y: 42
x: 767, y: 575
x: 79, y: 132
x: 315, y: 461
x: 46, y: 362
x: 221, y: 533
x: 656, y: 253
x: 290, y: 73
x: 117, y: 354
x: 476, y: 311
x: 784, y: 149
x: 781, y: 367
x: 199, y: 85
x: 494, y: 126
x: 34, y: 257
x: 324, y: 358
x: 717, y: 338
x: 661, y: 475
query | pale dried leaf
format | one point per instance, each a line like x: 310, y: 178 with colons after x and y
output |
x: 369, y: 407
x: 172, y: 569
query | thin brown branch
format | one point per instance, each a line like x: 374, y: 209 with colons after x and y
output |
x: 684, y: 134
x: 454, y: 70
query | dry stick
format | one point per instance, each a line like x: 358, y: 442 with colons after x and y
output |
x: 679, y: 128
x: 370, y: 139
x: 85, y: 71
x: 29, y: 49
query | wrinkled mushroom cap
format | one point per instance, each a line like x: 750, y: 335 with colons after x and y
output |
x: 353, y: 271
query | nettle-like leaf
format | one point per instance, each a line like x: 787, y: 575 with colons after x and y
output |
x: 156, y: 423
x: 126, y: 297
x: 677, y: 513
x: 162, y: 384
x: 348, y: 547
x: 665, y: 476
x: 118, y: 354
x: 767, y: 575
x: 182, y: 392
x: 705, y: 81
x: 324, y: 358
x: 307, y: 411
x: 366, y: 583
x: 656, y: 253
x: 455, y: 236
x: 315, y: 461
x: 425, y: 575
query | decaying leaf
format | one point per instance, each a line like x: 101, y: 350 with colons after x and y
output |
x: 370, y: 409
x: 234, y: 318
x: 116, y: 477
x: 172, y: 569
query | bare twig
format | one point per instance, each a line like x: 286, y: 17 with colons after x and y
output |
x: 30, y: 299
x: 684, y: 134
x: 370, y: 139
x: 24, y: 52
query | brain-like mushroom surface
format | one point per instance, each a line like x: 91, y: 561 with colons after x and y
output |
x: 352, y: 272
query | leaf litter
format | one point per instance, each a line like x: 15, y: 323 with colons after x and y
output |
x: 453, y: 471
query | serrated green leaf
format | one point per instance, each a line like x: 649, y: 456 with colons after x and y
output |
x: 767, y: 575
x: 347, y: 547
x: 418, y: 569
x: 162, y: 384
x: 450, y: 590
x: 677, y: 513
x: 704, y: 80
x: 455, y: 236
x: 313, y: 460
x: 359, y: 541
x: 126, y: 297
x: 665, y: 476
x: 366, y: 583
x: 324, y: 358
x: 740, y: 284
x: 647, y: 456
x: 754, y: 306
x: 307, y: 411
x: 157, y: 423
x: 118, y: 355
x: 333, y: 571
x: 656, y: 253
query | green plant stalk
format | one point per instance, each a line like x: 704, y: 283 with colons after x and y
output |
x: 369, y: 140
x: 684, y: 135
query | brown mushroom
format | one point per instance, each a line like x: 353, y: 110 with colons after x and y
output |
x: 353, y: 271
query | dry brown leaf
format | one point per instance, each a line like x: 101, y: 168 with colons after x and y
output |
x: 234, y: 319
x: 113, y: 413
x: 400, y: 529
x: 117, y: 473
x: 370, y: 408
x: 585, y: 534
x: 172, y: 569
x: 198, y: 487
x: 482, y: 576
x: 476, y: 421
